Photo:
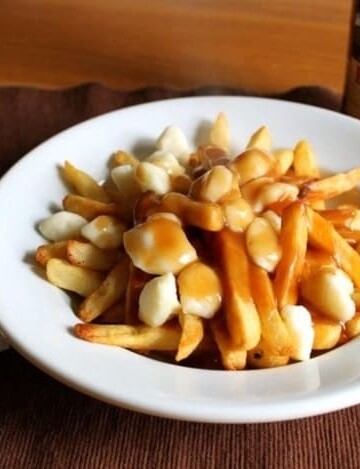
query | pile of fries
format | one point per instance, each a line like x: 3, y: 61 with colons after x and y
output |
x: 207, y: 254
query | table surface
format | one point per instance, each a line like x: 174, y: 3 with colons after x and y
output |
x: 262, y: 45
x: 45, y: 424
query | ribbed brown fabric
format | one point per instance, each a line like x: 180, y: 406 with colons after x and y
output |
x: 44, y: 424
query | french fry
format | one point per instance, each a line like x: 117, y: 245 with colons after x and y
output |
x: 356, y: 298
x: 283, y: 160
x: 147, y: 204
x: 261, y: 139
x: 192, y: 333
x: 330, y: 187
x: 322, y: 235
x: 340, y: 217
x: 219, y: 133
x: 181, y: 183
x: 273, y: 329
x: 89, y: 208
x: 141, y: 338
x: 314, y: 260
x: 90, y: 256
x: 137, y: 280
x: 258, y: 305
x: 49, y: 251
x: 84, y: 184
x: 352, y: 327
x: 262, y: 356
x: 327, y: 332
x: 233, y: 357
x: 293, y: 239
x: 111, y: 290
x: 73, y: 278
x: 205, y: 215
x: 304, y: 163
x: 351, y: 236
x: 241, y: 315
x: 121, y: 157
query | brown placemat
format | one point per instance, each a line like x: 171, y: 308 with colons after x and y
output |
x: 44, y: 424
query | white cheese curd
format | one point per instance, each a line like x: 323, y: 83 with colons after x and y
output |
x: 152, y: 178
x: 124, y: 178
x: 104, y: 231
x: 62, y: 226
x: 167, y: 161
x: 297, y: 319
x: 158, y: 300
x: 330, y: 290
x: 173, y: 140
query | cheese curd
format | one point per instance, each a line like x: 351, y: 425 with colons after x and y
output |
x: 329, y: 290
x: 173, y: 140
x: 61, y: 226
x: 158, y: 300
x: 105, y: 232
x: 298, y: 322
x: 159, y: 246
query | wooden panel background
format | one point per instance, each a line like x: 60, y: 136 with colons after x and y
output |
x: 262, y: 45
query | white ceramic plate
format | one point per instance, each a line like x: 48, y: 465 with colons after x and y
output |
x: 37, y: 318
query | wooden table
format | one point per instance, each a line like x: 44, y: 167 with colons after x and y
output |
x: 262, y: 45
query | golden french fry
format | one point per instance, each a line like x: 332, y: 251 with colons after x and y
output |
x: 91, y: 209
x: 341, y: 217
x: 314, y: 260
x: 142, y: 338
x: 327, y: 332
x: 90, y: 256
x: 125, y: 205
x: 111, y: 290
x: 283, y: 160
x: 73, y: 278
x: 351, y: 236
x: 192, y: 333
x: 147, y: 204
x: 205, y: 215
x: 219, y: 133
x: 84, y: 184
x: 181, y: 183
x: 261, y: 139
x: 322, y: 235
x: 49, y: 251
x: 330, y: 187
x: 137, y: 280
x: 121, y: 157
x: 273, y: 329
x: 356, y: 298
x: 241, y: 315
x: 304, y: 163
x: 262, y: 356
x: 352, y: 327
x: 233, y: 357
x: 293, y: 240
